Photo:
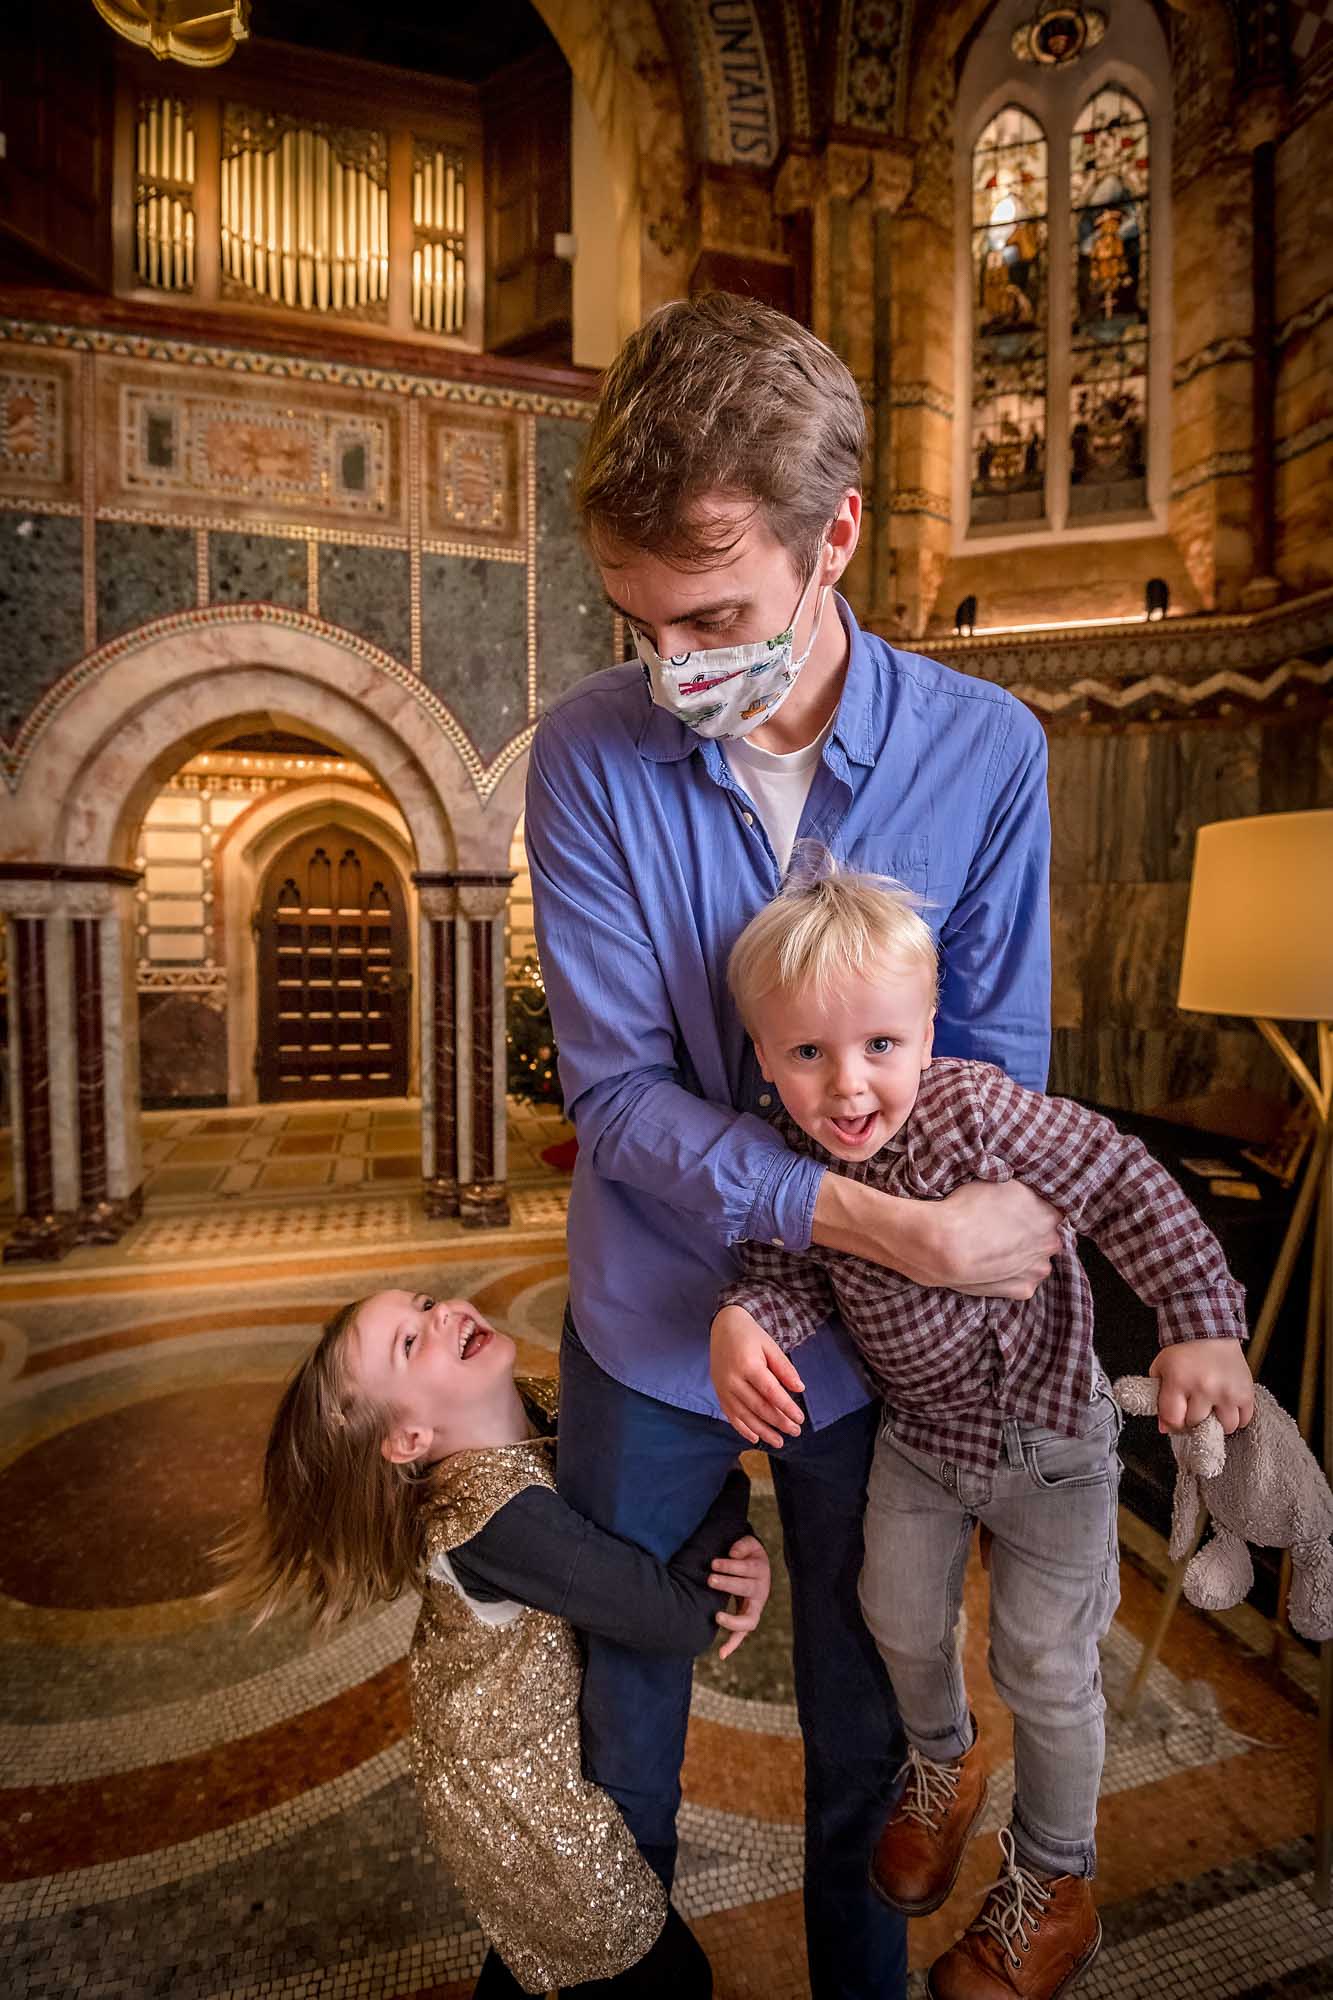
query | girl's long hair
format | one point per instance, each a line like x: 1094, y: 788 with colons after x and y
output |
x: 336, y: 1528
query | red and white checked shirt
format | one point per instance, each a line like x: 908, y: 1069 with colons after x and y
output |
x: 951, y: 1368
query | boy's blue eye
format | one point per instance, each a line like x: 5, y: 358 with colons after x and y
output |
x: 879, y: 1045
x: 807, y: 1052
x: 409, y: 1341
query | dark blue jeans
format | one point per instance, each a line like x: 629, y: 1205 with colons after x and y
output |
x: 649, y: 1471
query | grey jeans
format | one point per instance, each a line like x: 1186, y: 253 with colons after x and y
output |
x: 1050, y: 1505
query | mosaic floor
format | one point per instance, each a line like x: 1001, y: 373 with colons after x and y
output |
x: 304, y: 1148
x: 188, y: 1810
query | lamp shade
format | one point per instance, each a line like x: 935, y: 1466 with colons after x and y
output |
x: 1259, y: 934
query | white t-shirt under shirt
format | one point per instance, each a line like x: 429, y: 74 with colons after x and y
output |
x: 779, y: 784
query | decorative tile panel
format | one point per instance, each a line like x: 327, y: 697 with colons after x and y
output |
x: 473, y: 482
x: 36, y: 421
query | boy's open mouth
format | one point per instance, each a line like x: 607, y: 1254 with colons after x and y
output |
x: 854, y: 1130
x: 474, y: 1339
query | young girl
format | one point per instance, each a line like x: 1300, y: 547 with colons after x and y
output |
x: 403, y: 1452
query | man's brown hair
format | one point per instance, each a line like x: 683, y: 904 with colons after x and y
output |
x: 719, y: 394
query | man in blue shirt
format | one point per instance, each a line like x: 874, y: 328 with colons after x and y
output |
x: 720, y: 488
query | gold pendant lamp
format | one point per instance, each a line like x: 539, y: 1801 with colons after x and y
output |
x: 199, y: 32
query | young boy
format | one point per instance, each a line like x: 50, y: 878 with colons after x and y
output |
x: 995, y: 1410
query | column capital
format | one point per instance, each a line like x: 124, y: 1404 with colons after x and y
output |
x: 467, y: 892
x: 58, y: 889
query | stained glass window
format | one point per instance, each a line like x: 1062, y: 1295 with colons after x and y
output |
x: 1009, y: 319
x: 1108, y: 390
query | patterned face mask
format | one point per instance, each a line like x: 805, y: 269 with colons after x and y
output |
x: 729, y: 690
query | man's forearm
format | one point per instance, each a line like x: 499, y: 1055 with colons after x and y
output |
x: 885, y: 1229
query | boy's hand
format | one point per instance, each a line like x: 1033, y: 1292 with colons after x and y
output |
x: 752, y: 1375
x: 1202, y: 1378
x: 742, y: 1574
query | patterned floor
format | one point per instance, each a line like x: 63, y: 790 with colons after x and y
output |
x: 304, y: 1148
x: 189, y: 1810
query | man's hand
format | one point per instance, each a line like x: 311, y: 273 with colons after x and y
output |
x: 1203, y: 1378
x: 993, y: 1240
x: 752, y: 1376
x: 743, y: 1575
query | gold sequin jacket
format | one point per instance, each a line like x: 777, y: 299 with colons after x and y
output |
x: 540, y: 1855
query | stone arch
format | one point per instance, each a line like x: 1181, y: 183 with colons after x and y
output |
x: 82, y: 772
x: 117, y: 726
x: 620, y: 60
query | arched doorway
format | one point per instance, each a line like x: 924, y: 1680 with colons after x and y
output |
x: 128, y: 717
x: 334, y: 970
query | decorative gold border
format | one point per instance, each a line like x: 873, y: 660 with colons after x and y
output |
x: 530, y: 552
x: 291, y: 367
x: 414, y: 531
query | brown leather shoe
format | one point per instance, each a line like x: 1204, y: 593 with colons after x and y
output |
x: 919, y: 1853
x: 1035, y: 1937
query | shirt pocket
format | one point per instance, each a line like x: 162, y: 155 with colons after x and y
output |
x: 905, y: 857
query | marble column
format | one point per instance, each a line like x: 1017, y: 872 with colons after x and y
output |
x: 463, y: 1108
x: 42, y: 1230
x: 438, y: 950
x: 76, y: 1108
x: 483, y: 1201
x: 1258, y: 129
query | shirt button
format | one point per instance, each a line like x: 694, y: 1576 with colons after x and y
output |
x: 777, y: 1243
x: 749, y: 819
x: 766, y: 1098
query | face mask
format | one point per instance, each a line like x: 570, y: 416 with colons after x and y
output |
x: 729, y: 690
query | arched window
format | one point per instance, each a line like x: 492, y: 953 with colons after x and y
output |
x: 1108, y: 315
x: 1062, y: 343
x: 1009, y: 318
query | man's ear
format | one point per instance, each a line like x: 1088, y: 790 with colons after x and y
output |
x: 844, y: 533
x: 407, y: 1444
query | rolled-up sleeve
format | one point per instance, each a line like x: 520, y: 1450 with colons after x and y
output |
x: 615, y: 1029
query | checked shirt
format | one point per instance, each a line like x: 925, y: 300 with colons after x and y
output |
x: 951, y: 1368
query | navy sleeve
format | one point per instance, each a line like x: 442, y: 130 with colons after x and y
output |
x: 538, y: 1551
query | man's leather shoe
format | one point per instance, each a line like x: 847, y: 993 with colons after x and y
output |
x: 1035, y: 1937
x: 918, y: 1855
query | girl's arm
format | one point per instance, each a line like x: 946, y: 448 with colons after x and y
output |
x: 538, y: 1551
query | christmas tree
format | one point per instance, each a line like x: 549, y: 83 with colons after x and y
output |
x: 531, y: 1045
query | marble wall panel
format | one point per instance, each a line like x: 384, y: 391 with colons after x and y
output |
x: 575, y: 633
x: 473, y: 646
x: 1157, y: 1070
x: 368, y: 591
x: 1125, y: 806
x: 41, y: 611
x: 142, y: 573
x: 182, y: 1049
x: 256, y: 569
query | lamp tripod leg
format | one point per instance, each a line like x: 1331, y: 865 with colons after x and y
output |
x: 1323, y: 1840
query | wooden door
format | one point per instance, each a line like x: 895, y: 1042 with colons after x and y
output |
x: 334, y: 981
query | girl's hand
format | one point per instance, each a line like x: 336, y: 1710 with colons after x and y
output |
x: 743, y: 1575
x: 752, y: 1377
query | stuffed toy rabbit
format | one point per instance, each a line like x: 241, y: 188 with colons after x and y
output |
x: 1262, y: 1485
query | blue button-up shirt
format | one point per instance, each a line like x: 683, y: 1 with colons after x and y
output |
x: 647, y: 860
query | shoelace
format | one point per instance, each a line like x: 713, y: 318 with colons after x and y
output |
x: 1015, y: 1905
x: 930, y: 1789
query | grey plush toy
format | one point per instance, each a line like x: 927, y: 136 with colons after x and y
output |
x: 1262, y: 1485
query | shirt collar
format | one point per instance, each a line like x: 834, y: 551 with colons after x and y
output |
x: 665, y: 740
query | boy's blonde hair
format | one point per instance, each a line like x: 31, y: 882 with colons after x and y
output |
x: 719, y: 394
x: 337, y: 1524
x: 827, y: 924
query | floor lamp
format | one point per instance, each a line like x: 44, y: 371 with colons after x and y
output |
x: 1259, y: 941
